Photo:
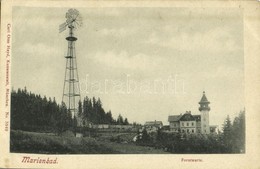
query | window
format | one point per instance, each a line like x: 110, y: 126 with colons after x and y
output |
x: 174, y: 125
x: 182, y: 124
x: 188, y: 130
x: 183, y: 131
x: 192, y: 131
x: 188, y: 124
x: 192, y: 124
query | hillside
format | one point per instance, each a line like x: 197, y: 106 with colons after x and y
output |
x: 42, y: 143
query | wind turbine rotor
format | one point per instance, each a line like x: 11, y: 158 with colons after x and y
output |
x: 73, y: 19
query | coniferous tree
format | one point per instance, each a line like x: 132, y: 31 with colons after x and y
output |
x: 126, y: 121
x: 80, y: 109
x: 87, y: 108
x: 31, y: 112
x: 62, y: 123
x: 227, y: 134
x: 120, y: 120
x: 238, y: 133
x: 93, y: 112
x: 227, y: 127
x: 109, y: 118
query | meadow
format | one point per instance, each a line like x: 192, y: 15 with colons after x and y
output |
x: 103, y: 143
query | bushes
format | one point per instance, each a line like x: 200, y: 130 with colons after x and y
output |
x: 25, y: 142
x: 116, y: 139
x: 35, y: 143
x: 178, y: 143
x: 122, y: 137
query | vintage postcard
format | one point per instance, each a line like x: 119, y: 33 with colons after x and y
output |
x: 130, y: 84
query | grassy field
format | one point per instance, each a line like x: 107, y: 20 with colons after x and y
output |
x: 29, y: 142
x: 42, y: 143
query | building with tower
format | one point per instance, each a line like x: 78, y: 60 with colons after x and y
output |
x: 204, y: 113
x: 192, y: 124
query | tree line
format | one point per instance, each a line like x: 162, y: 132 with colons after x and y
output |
x: 32, y: 112
x: 91, y: 111
x: 230, y: 140
x: 233, y: 134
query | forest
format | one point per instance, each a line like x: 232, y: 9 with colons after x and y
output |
x: 32, y: 112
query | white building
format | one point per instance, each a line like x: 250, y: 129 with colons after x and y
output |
x: 188, y: 123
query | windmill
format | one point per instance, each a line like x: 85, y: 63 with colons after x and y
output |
x: 71, y: 88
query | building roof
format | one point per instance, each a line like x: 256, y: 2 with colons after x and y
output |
x: 153, y: 123
x: 187, y: 117
x: 197, y: 117
x: 204, y: 99
x: 167, y: 127
x: 174, y: 118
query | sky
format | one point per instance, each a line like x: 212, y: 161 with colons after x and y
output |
x: 144, y: 63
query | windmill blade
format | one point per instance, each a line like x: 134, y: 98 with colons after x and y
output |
x: 63, y: 24
x: 62, y: 27
x: 76, y: 16
x: 78, y: 20
x: 61, y: 30
x: 78, y: 23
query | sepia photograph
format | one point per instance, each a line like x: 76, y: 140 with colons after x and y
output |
x: 127, y: 81
x: 130, y: 84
